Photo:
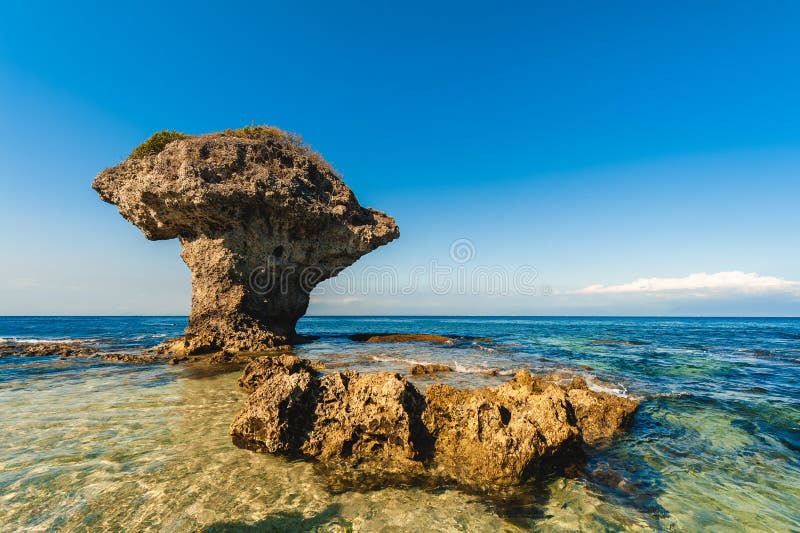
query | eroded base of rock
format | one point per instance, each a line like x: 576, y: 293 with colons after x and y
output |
x: 244, y: 342
x: 376, y: 428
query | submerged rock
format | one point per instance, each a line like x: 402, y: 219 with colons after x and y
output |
x: 612, y: 342
x: 130, y: 358
x: 261, y: 220
x: 371, y: 428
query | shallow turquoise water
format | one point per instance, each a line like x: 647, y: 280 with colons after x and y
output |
x: 87, y: 445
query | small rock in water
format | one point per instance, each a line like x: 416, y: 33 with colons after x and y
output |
x: 62, y: 349
x: 431, y: 368
x: 129, y: 358
x: 399, y: 337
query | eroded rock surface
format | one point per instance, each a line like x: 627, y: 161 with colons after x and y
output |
x: 428, y: 369
x: 134, y: 358
x: 261, y: 220
x: 376, y: 427
x: 399, y: 337
x: 62, y: 349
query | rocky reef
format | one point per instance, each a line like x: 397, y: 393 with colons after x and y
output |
x: 261, y: 220
x: 376, y: 428
x: 32, y: 349
x: 400, y: 337
x: 428, y: 369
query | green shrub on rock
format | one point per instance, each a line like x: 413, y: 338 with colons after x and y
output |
x: 156, y: 143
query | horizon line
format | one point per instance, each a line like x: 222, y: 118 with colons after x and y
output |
x: 417, y: 316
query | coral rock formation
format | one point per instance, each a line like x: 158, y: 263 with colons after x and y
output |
x: 261, y: 220
x: 377, y: 427
x: 432, y: 368
x: 63, y: 349
x: 399, y: 337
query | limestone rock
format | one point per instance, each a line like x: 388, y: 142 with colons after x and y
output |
x: 369, y: 424
x: 432, y: 368
x: 399, y: 337
x: 261, y: 220
x: 378, y: 426
x: 371, y: 417
x: 265, y: 368
x: 500, y: 435
x: 62, y: 349
x: 599, y: 415
x: 133, y: 358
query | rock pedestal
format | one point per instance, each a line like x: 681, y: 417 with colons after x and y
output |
x: 261, y: 220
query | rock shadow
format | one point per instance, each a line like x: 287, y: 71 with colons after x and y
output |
x: 292, y: 521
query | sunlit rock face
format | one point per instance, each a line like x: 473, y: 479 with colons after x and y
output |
x: 261, y: 220
x: 368, y: 430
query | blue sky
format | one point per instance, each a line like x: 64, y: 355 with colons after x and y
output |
x: 643, y: 158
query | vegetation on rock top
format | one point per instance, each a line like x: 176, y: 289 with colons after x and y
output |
x: 292, y: 141
x: 267, y: 132
x: 156, y: 143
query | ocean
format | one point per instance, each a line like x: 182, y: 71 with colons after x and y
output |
x: 91, y: 445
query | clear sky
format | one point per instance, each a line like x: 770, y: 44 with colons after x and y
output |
x: 638, y: 157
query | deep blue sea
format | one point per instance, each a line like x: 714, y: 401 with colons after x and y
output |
x: 715, y: 445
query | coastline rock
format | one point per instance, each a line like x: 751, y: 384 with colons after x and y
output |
x: 500, y: 435
x: 130, y: 358
x: 261, y: 220
x: 599, y: 415
x: 265, y: 368
x: 354, y: 424
x: 432, y: 368
x: 371, y: 428
x: 159, y: 354
x: 63, y: 349
x: 399, y: 337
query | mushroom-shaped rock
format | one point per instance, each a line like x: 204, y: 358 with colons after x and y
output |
x: 261, y: 220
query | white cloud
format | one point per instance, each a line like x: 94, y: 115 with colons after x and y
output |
x: 334, y: 300
x: 25, y: 283
x: 701, y: 285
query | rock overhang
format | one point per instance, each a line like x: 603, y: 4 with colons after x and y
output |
x: 258, y: 202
